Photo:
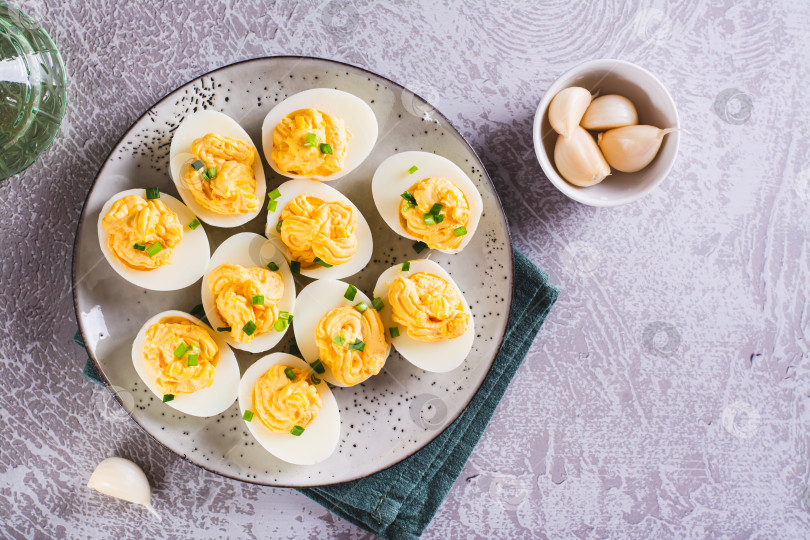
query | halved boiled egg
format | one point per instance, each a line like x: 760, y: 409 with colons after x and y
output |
x: 289, y: 409
x: 321, y: 133
x: 427, y: 315
x: 320, y: 230
x: 428, y: 198
x: 248, y: 292
x: 152, y: 240
x: 217, y: 169
x: 186, y: 364
x: 337, y: 327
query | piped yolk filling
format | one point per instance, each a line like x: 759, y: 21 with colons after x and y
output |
x: 312, y: 228
x: 436, y: 232
x: 170, y: 346
x: 428, y: 306
x: 339, y: 335
x: 298, y: 143
x: 281, y: 403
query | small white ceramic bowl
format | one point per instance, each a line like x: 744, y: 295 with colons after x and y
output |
x: 655, y: 107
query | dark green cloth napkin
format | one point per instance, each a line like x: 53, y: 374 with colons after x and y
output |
x: 399, y: 502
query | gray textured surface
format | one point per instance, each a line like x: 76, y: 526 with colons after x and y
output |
x: 609, y: 429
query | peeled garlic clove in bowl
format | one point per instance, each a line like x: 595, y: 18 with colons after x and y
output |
x: 631, y: 148
x: 579, y: 160
x: 122, y: 479
x: 566, y: 109
x: 609, y: 112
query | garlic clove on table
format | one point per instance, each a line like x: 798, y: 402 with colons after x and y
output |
x: 122, y: 479
x: 579, y: 160
x: 609, y: 112
x: 566, y: 109
x: 631, y: 148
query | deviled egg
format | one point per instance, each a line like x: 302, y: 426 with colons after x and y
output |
x: 186, y: 364
x: 248, y: 292
x: 289, y: 409
x: 427, y: 198
x: 152, y: 240
x: 340, y: 333
x: 217, y: 169
x: 320, y: 133
x: 322, y: 233
x: 426, y: 315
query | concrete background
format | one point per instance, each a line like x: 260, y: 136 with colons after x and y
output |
x: 666, y: 395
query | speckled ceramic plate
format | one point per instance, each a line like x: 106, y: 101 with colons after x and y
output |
x: 383, y: 420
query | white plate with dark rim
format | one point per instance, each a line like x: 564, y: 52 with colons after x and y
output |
x: 388, y: 417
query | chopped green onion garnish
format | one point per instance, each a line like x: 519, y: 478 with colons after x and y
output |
x: 140, y: 247
x: 406, y: 266
x: 357, y: 345
x: 318, y: 366
x: 322, y: 262
x: 284, y: 315
x: 275, y: 194
x: 407, y: 207
x: 377, y: 303
x: 419, y: 247
x: 326, y: 149
x: 204, y: 175
x: 180, y: 350
x: 339, y: 340
x: 394, y: 331
x: 295, y: 267
x: 193, y: 360
x: 280, y: 325
x: 413, y: 169
x: 152, y: 193
x: 248, y: 416
x: 257, y: 300
x: 278, y: 225
x: 224, y: 329
x: 460, y: 231
x: 408, y: 197
x: 249, y: 328
x: 436, y: 208
x: 289, y: 373
x: 439, y: 218
x: 197, y: 165
x: 272, y: 205
x: 361, y: 307
x: 297, y: 431
x: 272, y: 266
x: 211, y: 172
x: 154, y: 249
x: 314, y: 380
x: 167, y: 397
x: 429, y: 218
x: 311, y: 140
x: 194, y: 224
x: 350, y: 293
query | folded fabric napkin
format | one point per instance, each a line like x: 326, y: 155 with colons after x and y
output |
x: 399, y: 502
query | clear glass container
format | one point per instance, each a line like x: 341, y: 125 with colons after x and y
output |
x: 33, y: 91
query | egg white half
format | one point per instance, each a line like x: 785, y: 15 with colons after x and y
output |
x: 313, y: 302
x: 365, y: 244
x: 208, y: 401
x: 189, y: 258
x: 357, y: 115
x: 195, y: 127
x: 320, y: 437
x: 249, y: 250
x: 438, y: 356
x: 392, y: 178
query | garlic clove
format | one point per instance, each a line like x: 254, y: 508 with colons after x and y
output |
x: 609, y: 112
x: 567, y: 108
x: 579, y: 159
x: 122, y: 479
x: 631, y: 148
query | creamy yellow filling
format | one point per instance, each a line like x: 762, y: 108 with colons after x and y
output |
x: 337, y: 335
x: 455, y: 209
x: 173, y: 375
x: 295, y: 153
x: 313, y: 228
x: 281, y: 403
x: 428, y: 306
